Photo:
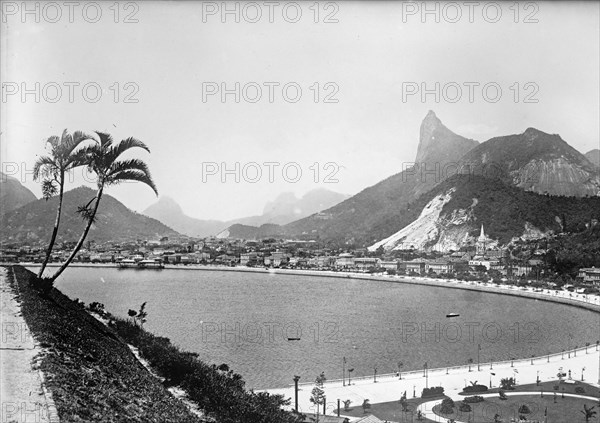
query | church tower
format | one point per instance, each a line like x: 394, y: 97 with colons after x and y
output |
x: 481, y: 242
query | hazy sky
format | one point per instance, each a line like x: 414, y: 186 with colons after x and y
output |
x: 177, y: 52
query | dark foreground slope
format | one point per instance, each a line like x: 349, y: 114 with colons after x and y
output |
x: 92, y: 374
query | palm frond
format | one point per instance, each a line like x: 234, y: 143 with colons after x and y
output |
x: 44, y: 164
x: 54, y: 143
x: 106, y: 140
x: 74, y: 141
x: 66, y: 138
x: 114, y: 153
x: 49, y: 189
x: 132, y: 175
x: 131, y: 164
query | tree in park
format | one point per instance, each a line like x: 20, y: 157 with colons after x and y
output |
x: 317, y: 395
x: 52, y: 169
x: 366, y: 405
x: 103, y: 159
x: 507, y: 383
x: 404, y: 402
x: 588, y: 413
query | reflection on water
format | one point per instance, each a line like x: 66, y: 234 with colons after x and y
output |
x: 253, y: 321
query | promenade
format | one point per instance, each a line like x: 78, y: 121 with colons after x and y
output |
x: 24, y: 396
x: 583, y: 366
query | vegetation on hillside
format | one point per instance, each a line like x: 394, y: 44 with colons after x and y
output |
x: 92, y: 374
x: 504, y: 209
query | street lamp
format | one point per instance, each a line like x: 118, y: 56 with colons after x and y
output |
x: 375, y: 374
x: 296, y: 379
x: 349, y: 376
x: 478, y: 350
x: 344, y: 371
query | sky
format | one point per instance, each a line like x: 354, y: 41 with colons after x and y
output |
x: 349, y: 116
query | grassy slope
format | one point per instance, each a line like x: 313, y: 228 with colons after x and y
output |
x: 92, y: 374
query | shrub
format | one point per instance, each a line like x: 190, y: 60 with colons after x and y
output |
x: 464, y: 407
x: 503, y: 396
x: 475, y: 388
x: 215, y: 389
x: 579, y: 390
x: 434, y: 391
x: 474, y: 399
x: 524, y: 409
x: 508, y: 383
x: 447, y: 406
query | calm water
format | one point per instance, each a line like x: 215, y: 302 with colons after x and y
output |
x: 245, y: 320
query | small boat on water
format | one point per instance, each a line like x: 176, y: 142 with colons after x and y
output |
x: 293, y: 339
x: 452, y: 315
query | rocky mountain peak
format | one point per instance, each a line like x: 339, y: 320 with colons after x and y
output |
x: 438, y: 144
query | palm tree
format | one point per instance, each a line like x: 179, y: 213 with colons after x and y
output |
x: 52, y: 170
x: 589, y: 413
x: 102, y: 159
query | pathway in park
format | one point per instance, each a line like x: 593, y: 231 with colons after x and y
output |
x: 23, y: 397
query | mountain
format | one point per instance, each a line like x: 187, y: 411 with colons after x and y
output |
x: 594, y: 157
x: 287, y: 207
x: 535, y: 161
x: 374, y: 213
x: 284, y: 209
x: 438, y: 144
x: 451, y: 215
x: 13, y: 194
x: 168, y: 211
x: 239, y: 231
x: 34, y: 221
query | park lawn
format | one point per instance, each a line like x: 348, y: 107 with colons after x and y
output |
x: 391, y: 410
x: 562, y: 411
x: 589, y: 390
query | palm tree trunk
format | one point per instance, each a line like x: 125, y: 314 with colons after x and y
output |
x: 81, y: 239
x: 55, y: 230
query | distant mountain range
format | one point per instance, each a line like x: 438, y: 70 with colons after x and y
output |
x: 284, y: 209
x: 13, y: 194
x: 525, y: 184
x: 532, y: 161
x: 168, y: 211
x: 115, y: 222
